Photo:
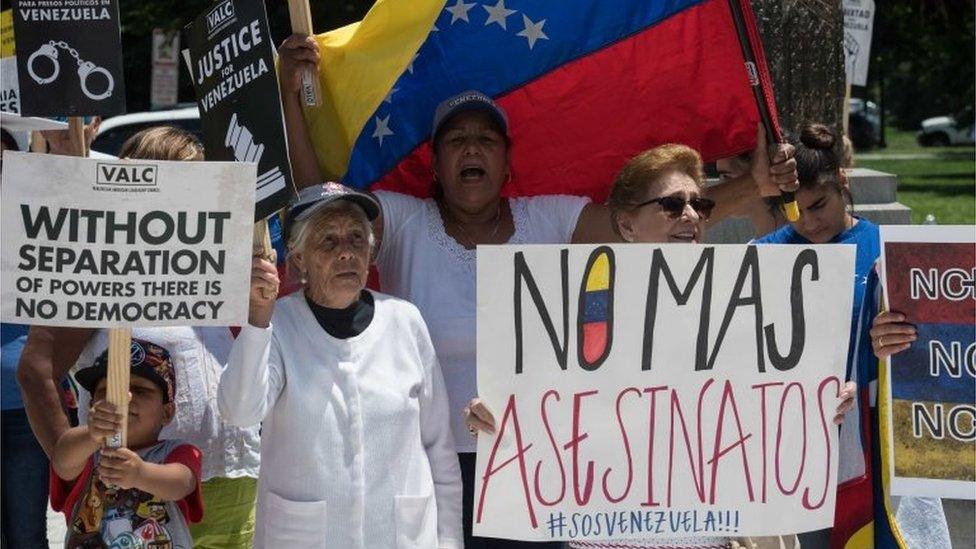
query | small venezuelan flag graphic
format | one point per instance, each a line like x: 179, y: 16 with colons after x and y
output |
x: 596, y: 309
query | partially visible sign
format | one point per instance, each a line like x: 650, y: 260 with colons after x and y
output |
x: 930, y: 277
x: 654, y: 391
x: 7, y: 48
x: 858, y: 23
x: 165, y: 68
x: 69, y: 58
x: 231, y: 64
x: 9, y: 89
x: 99, y: 243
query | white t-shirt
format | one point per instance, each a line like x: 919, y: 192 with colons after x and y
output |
x: 419, y: 262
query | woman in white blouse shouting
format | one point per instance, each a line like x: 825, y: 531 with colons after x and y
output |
x: 356, y: 446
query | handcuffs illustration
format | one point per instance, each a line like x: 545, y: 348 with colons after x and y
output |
x: 85, y: 68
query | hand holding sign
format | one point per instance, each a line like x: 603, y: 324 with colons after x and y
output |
x: 264, y: 291
x: 104, y: 422
x: 297, y: 55
x: 891, y: 334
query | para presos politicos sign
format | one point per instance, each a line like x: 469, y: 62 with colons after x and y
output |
x: 117, y: 243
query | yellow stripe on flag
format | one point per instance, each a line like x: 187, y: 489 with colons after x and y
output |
x: 887, y: 452
x: 359, y: 64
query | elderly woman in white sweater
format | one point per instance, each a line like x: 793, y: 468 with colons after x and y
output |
x: 356, y: 447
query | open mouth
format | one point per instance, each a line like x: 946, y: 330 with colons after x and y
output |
x: 472, y: 173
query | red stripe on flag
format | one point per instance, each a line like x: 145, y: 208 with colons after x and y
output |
x: 960, y: 259
x: 680, y: 81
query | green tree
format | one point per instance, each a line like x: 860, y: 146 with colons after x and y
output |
x: 923, y: 52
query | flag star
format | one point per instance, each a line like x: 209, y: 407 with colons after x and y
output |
x: 410, y: 66
x: 498, y: 14
x: 532, y: 31
x: 389, y: 96
x: 382, y: 129
x: 459, y: 11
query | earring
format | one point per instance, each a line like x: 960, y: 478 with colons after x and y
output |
x: 304, y: 278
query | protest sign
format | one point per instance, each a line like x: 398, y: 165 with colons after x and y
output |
x: 858, y: 25
x: 644, y: 391
x: 97, y: 243
x: 69, y: 58
x: 165, y: 68
x: 930, y: 277
x: 9, y: 90
x: 231, y: 63
x: 7, y: 44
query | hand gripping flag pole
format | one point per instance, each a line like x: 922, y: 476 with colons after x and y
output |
x: 773, y: 133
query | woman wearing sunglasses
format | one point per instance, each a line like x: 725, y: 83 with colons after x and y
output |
x: 658, y: 198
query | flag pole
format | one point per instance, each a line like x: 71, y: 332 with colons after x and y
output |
x: 301, y: 23
x: 773, y: 133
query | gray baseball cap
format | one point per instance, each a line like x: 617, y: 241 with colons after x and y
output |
x: 471, y: 100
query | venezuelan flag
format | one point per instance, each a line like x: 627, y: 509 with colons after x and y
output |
x: 586, y: 85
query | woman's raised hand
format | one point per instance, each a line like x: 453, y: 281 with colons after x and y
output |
x: 478, y: 417
x: 264, y: 290
x: 773, y: 169
x: 846, y: 396
x: 297, y: 54
x: 890, y: 334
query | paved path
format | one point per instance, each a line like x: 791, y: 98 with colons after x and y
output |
x: 55, y: 529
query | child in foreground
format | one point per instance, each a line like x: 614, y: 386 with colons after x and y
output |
x: 139, y: 497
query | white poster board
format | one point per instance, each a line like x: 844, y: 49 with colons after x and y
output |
x: 648, y: 391
x: 96, y: 243
x: 858, y: 25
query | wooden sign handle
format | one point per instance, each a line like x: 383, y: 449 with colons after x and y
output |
x: 119, y: 339
x: 76, y: 127
x: 262, y: 245
x: 301, y: 23
x: 117, y: 389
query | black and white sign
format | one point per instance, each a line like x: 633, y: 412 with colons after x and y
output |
x: 858, y: 24
x: 69, y: 58
x: 231, y: 64
x: 99, y: 243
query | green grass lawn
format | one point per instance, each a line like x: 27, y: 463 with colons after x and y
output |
x: 943, y: 183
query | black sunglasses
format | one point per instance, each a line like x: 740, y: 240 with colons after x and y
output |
x: 675, y: 205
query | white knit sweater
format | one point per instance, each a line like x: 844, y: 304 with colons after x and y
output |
x: 356, y: 447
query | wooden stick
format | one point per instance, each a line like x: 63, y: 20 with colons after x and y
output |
x: 301, y: 23
x: 119, y: 339
x: 117, y: 390
x: 76, y: 125
x: 262, y: 245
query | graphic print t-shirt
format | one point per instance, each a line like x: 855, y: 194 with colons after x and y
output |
x: 101, y: 516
